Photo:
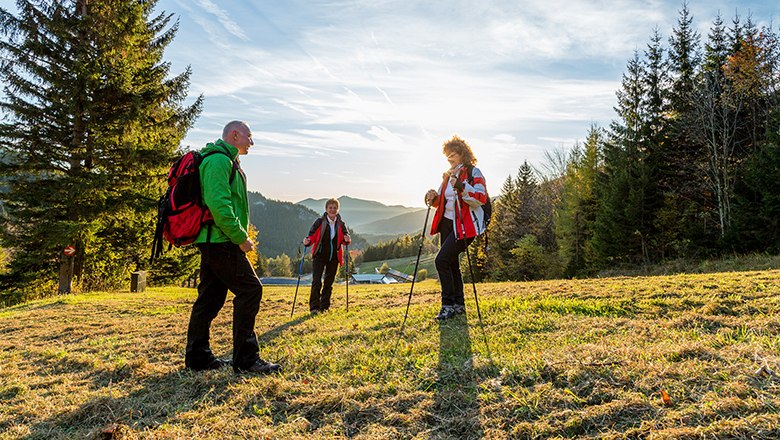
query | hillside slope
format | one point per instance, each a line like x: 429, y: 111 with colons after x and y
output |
x: 686, y: 356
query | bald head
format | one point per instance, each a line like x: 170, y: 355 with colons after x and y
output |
x: 239, y: 135
x: 233, y: 125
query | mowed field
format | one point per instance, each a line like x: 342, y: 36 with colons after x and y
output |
x: 685, y: 356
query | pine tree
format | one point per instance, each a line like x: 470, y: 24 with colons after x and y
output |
x: 655, y: 107
x: 755, y: 72
x: 680, y: 179
x: 757, y: 201
x: 518, y: 212
x: 577, y: 212
x: 684, y: 60
x: 94, y: 121
x: 499, y: 230
x: 624, y: 222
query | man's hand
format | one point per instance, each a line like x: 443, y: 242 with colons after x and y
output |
x: 247, y: 246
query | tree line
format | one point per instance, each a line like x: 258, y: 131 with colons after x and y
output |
x: 400, y: 247
x: 688, y: 169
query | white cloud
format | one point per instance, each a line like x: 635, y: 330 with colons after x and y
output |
x: 224, y: 18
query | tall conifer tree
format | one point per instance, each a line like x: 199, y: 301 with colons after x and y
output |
x: 681, y: 180
x: 624, y: 221
x: 577, y: 212
x: 515, y: 216
x: 93, y: 122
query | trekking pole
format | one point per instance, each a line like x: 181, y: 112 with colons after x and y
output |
x: 300, y: 271
x: 346, y: 273
x: 476, y: 300
x: 471, y: 272
x: 414, y: 278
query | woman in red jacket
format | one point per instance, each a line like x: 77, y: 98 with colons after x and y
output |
x: 326, y: 236
x: 458, y: 219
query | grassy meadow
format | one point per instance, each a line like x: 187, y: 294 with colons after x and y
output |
x: 683, y: 356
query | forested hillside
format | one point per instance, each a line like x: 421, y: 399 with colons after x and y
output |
x: 282, y: 225
x: 93, y: 117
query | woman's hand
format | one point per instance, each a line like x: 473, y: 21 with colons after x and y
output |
x: 430, y: 196
x: 347, y: 239
x: 456, y: 184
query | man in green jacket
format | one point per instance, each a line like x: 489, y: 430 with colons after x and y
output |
x: 223, y: 263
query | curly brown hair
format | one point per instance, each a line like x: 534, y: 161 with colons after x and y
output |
x: 458, y: 145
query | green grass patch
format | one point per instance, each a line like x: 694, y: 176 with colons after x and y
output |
x: 552, y: 359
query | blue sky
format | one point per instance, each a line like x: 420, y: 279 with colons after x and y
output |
x: 356, y: 97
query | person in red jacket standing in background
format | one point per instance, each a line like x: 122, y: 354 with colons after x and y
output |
x: 459, y: 218
x: 326, y: 236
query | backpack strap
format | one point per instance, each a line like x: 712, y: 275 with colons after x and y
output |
x: 471, y: 182
x: 236, y: 167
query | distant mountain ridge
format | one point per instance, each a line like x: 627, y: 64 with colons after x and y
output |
x: 358, y: 213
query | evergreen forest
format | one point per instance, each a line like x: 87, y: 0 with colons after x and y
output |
x: 688, y: 169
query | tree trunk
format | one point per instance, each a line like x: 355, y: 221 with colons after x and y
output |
x: 66, y: 275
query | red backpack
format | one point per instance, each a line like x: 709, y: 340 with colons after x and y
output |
x: 181, y: 212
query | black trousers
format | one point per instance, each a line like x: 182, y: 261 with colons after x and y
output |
x: 224, y: 266
x: 319, y: 298
x: 448, y: 264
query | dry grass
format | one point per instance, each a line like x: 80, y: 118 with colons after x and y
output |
x: 564, y: 359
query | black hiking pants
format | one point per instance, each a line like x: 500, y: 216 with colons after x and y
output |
x: 319, y: 298
x: 223, y: 267
x: 448, y: 264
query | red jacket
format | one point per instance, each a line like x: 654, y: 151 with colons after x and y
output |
x: 317, y: 232
x: 469, y: 213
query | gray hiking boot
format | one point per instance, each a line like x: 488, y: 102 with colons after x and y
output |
x: 445, y: 313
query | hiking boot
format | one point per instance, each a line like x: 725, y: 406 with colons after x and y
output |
x: 215, y: 364
x: 459, y: 309
x: 445, y: 313
x: 259, y: 367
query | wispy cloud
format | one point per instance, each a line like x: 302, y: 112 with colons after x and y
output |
x: 224, y: 18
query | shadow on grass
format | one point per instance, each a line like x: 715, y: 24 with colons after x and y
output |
x: 158, y: 400
x: 456, y: 409
x: 276, y: 331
